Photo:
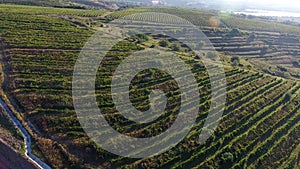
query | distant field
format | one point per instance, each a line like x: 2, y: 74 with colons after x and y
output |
x: 199, y: 18
x: 260, y: 127
x: 35, y: 10
x: 253, y: 25
x: 211, y: 19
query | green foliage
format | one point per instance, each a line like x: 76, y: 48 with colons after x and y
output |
x: 199, y: 18
x: 234, y: 32
x: 251, y: 37
x: 9, y: 126
x: 41, y: 53
x: 227, y: 158
x: 281, y: 68
x: 35, y: 10
x: 201, y: 44
x: 288, y: 96
x: 263, y: 51
x: 235, y: 60
x: 164, y: 43
x: 212, y: 55
x: 142, y: 37
x: 176, y: 47
x: 296, y: 64
x: 41, y: 32
x: 254, y: 25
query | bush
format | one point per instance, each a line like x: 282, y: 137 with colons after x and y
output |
x: 226, y: 158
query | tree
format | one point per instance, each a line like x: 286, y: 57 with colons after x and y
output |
x: 296, y: 64
x: 287, y: 75
x: 176, y: 47
x: 281, y: 68
x: 197, y: 57
x: 251, y: 38
x: 214, y: 22
x: 288, y: 96
x: 212, y: 55
x: 235, y: 60
x: 200, y: 45
x: 163, y: 43
x: 142, y: 37
x: 152, y: 46
x: 263, y: 51
x: 235, y: 32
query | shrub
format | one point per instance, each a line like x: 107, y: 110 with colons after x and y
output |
x: 226, y: 158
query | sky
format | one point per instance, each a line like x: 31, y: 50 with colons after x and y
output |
x: 285, y: 2
x: 272, y: 5
x: 232, y: 5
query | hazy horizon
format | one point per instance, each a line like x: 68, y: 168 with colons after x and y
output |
x: 232, y: 5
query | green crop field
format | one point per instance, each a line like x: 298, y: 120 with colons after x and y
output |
x: 196, y: 17
x: 32, y: 10
x: 260, y: 126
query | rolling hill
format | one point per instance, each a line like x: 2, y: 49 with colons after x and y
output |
x: 260, y: 127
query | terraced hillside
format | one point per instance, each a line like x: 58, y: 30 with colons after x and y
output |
x: 75, y: 4
x: 263, y: 43
x: 260, y: 127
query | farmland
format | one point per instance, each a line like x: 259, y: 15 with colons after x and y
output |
x: 260, y: 125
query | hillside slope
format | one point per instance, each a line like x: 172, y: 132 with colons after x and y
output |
x: 260, y: 127
x: 79, y: 4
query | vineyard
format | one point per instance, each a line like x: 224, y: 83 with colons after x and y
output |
x: 267, y: 45
x: 269, y: 52
x: 213, y: 19
x: 31, y: 10
x: 260, y: 127
x: 196, y: 17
